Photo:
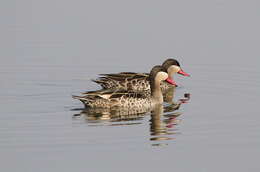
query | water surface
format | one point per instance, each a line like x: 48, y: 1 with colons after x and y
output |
x: 51, y: 50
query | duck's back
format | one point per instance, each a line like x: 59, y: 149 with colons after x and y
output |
x: 128, y: 81
x: 125, y: 81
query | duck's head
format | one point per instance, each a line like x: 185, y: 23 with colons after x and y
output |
x: 172, y: 66
x: 158, y: 74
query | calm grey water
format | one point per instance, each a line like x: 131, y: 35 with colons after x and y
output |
x: 51, y: 49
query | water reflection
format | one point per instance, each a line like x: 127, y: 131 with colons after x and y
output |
x: 127, y: 116
x: 163, y: 118
x: 162, y: 124
x: 168, y: 95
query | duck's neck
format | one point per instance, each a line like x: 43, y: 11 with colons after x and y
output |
x: 156, y: 92
x: 171, y: 73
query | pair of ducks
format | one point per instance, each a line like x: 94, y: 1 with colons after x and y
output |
x: 133, y: 90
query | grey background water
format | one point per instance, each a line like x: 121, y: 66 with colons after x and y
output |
x: 51, y: 49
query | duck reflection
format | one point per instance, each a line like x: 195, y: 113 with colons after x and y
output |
x: 162, y: 124
x: 115, y: 115
x: 163, y: 118
x: 168, y: 95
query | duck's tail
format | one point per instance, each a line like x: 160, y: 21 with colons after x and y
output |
x: 103, y: 82
x: 77, y: 97
x: 84, y: 99
x: 98, y: 81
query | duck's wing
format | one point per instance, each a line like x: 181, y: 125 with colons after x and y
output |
x: 124, y: 80
x: 100, y: 98
x: 124, y: 75
x: 104, y: 93
x: 115, y: 93
x: 131, y: 94
x: 109, y: 98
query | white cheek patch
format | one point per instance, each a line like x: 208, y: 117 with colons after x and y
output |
x: 161, y: 76
x: 173, y: 69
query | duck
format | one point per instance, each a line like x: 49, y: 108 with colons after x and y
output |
x: 113, y: 99
x: 139, y: 81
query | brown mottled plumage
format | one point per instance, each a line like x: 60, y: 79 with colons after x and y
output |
x: 134, y: 81
x: 111, y: 98
x: 127, y: 99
